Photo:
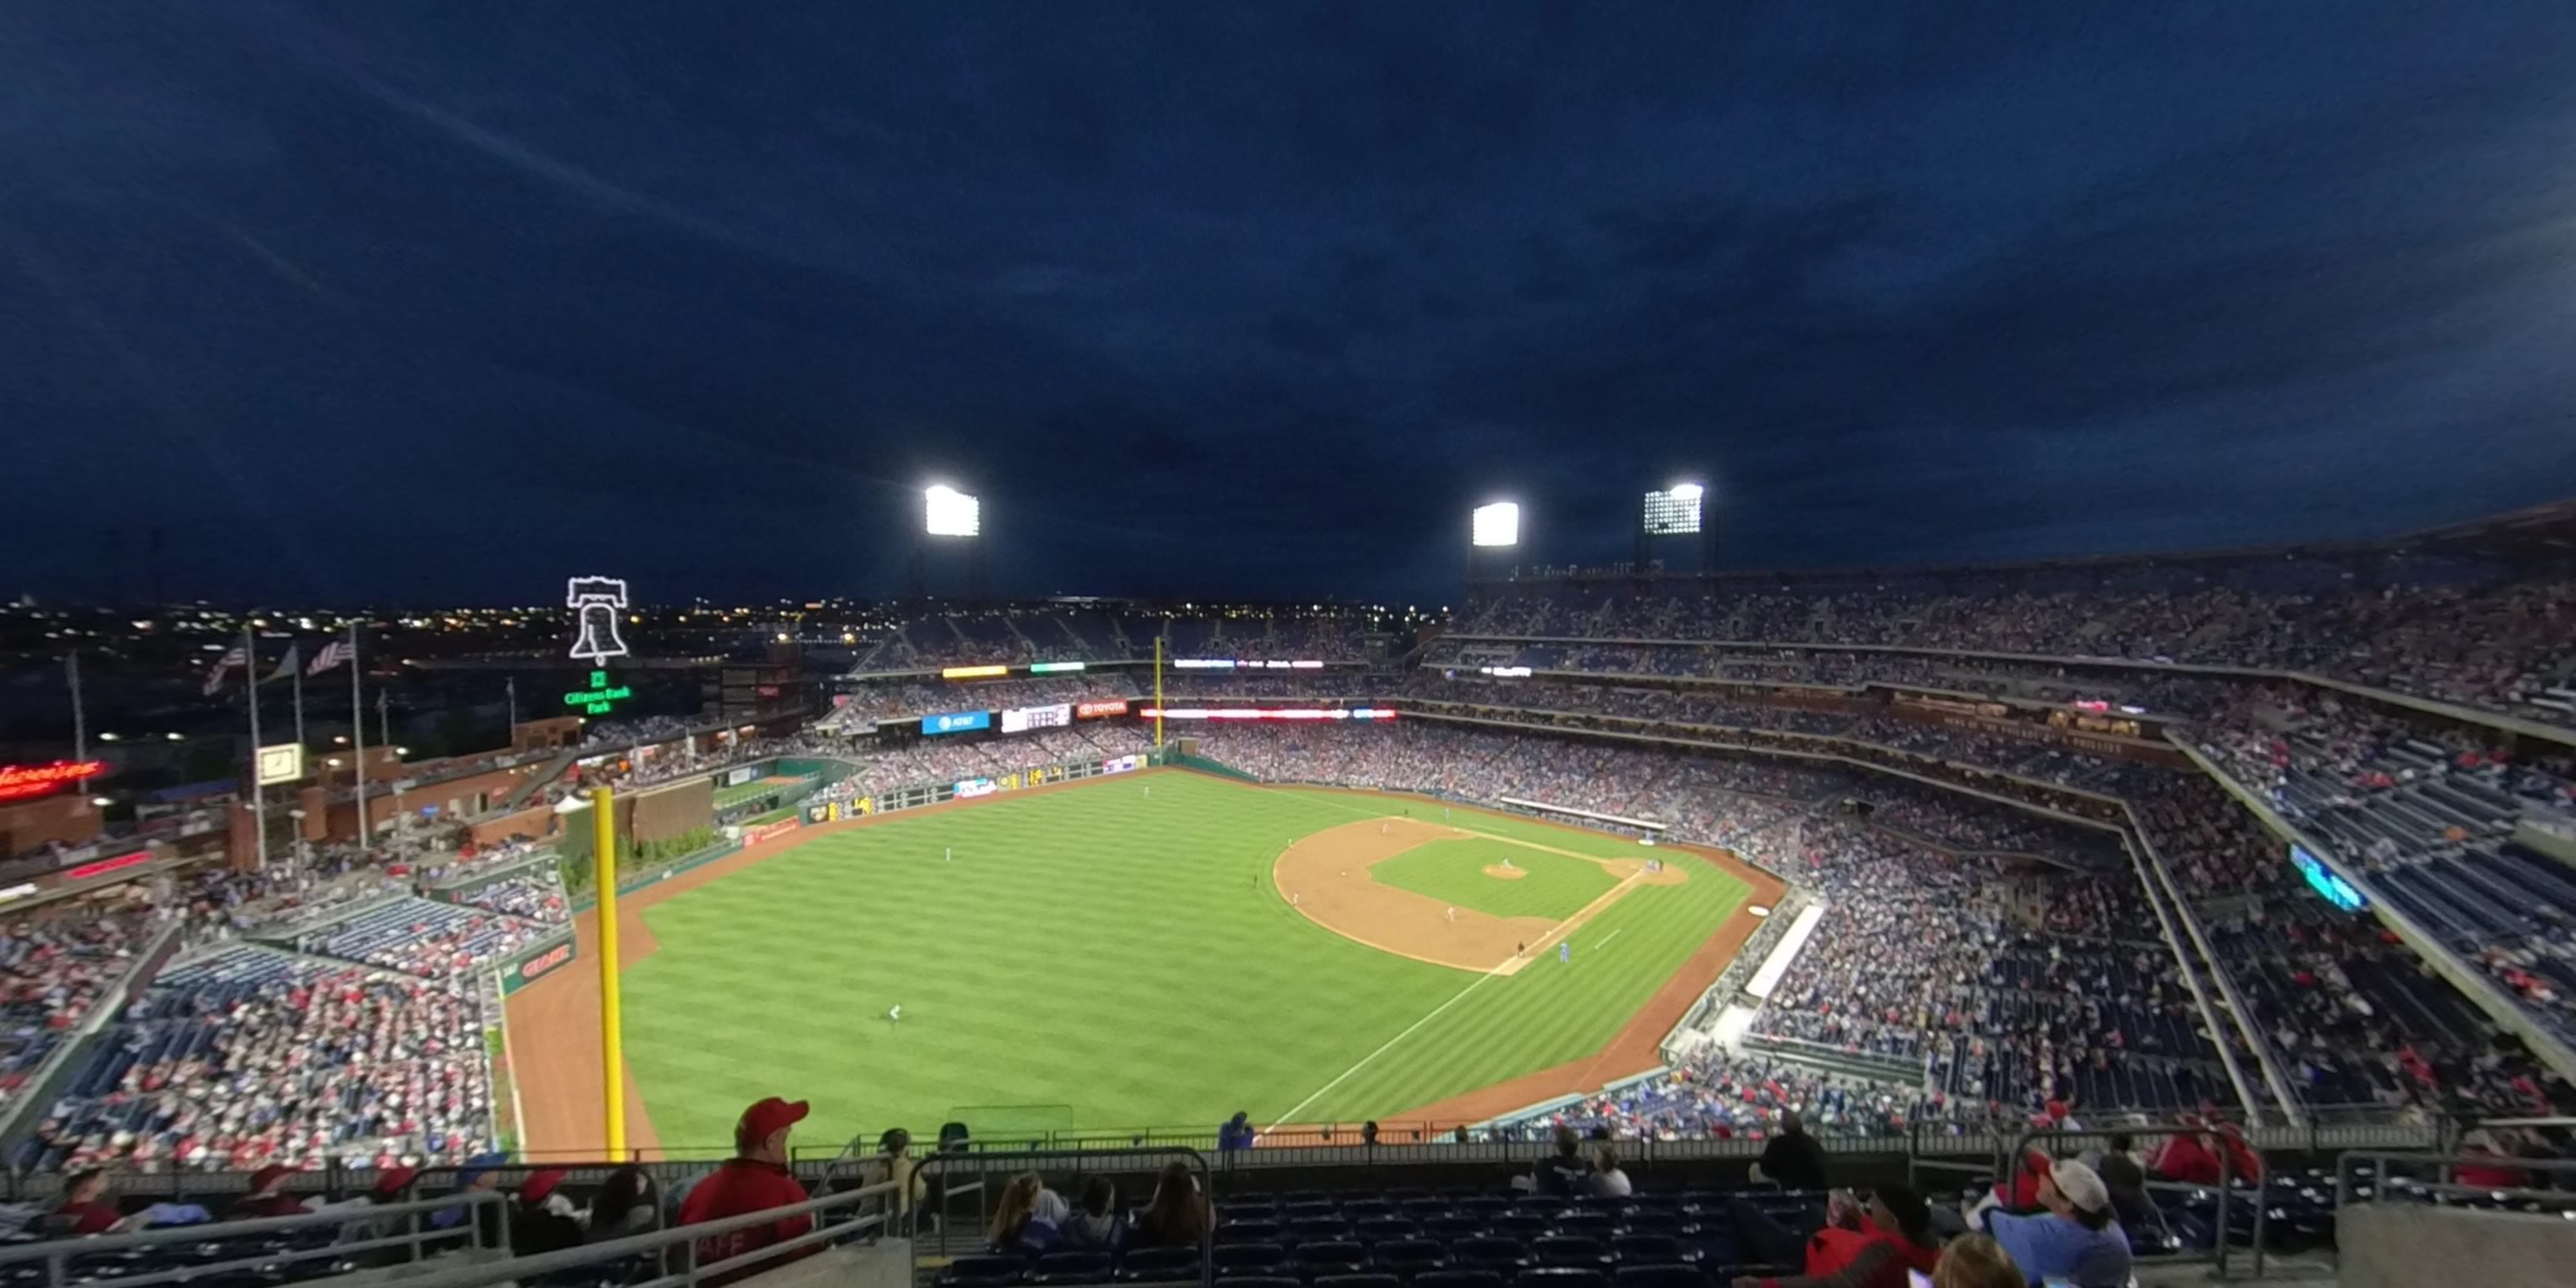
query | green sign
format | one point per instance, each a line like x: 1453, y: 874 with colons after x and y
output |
x: 600, y: 696
x: 1050, y: 668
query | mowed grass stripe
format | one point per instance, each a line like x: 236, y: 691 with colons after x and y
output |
x: 1097, y: 947
x: 1551, y: 885
x: 1550, y: 1012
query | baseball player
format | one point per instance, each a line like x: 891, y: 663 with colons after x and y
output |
x: 1453, y: 914
x: 1565, y: 950
x: 894, y: 1014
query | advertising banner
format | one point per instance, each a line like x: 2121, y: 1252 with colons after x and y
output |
x: 1024, y: 719
x: 542, y: 960
x: 977, y: 787
x: 1122, y: 764
x: 823, y: 813
x: 957, y: 722
x: 770, y: 831
x: 737, y: 777
x: 1098, y: 709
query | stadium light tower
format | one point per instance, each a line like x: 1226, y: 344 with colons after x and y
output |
x: 949, y: 516
x: 1493, y: 530
x: 1677, y: 511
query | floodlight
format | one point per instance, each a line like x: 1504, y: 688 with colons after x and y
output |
x: 951, y: 513
x: 1673, y: 512
x: 1498, y: 524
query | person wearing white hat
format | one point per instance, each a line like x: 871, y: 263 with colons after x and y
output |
x: 2077, y: 1240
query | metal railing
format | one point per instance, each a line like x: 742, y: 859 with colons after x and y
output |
x: 856, y: 1205
x: 2009, y: 1164
x: 58, y: 1255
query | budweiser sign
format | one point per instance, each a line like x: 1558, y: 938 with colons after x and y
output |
x: 18, y: 781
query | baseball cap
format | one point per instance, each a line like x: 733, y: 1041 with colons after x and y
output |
x: 2081, y: 1185
x: 767, y: 1116
x: 541, y: 1183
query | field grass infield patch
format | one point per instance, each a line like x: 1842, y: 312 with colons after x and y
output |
x: 1554, y: 886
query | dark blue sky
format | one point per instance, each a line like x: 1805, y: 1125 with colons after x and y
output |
x: 445, y: 301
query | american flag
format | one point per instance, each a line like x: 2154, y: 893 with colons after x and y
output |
x: 332, y: 654
x: 215, y: 678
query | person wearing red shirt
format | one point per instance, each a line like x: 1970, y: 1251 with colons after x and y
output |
x: 756, y: 1179
x: 85, y: 1204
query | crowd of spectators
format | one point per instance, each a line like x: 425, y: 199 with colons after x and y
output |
x: 260, y: 1059
x: 54, y: 966
x: 1727, y: 1095
x: 2506, y: 646
x: 1067, y: 635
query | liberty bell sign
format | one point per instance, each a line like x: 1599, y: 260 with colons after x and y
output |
x: 598, y: 600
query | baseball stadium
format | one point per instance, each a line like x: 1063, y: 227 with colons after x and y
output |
x: 1932, y: 874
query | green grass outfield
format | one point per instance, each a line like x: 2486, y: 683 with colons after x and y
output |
x: 1120, y: 953
x: 1556, y: 887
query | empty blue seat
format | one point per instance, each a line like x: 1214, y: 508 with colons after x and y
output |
x: 1562, y: 1250
x: 1561, y: 1277
x: 1647, y: 1250
x: 1249, y: 1258
x: 1661, y: 1277
x: 1379, y: 1229
x: 981, y: 1272
x: 1453, y: 1227
x: 1331, y: 1258
x: 1358, y: 1281
x: 1071, y: 1268
x: 1409, y: 1256
x: 1160, y: 1263
x: 1587, y: 1225
x: 1487, y: 1252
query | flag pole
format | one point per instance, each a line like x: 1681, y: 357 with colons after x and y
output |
x: 358, y: 732
x: 258, y: 790
x: 80, y: 713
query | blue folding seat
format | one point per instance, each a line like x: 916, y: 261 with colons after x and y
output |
x: 1487, y: 1252
x: 981, y: 1272
x: 1378, y: 1229
x: 1453, y: 1227
x: 1562, y: 1250
x: 1647, y: 1250
x: 1585, y: 1225
x: 1662, y: 1276
x: 1358, y: 1281
x: 1561, y: 1277
x: 1070, y: 1268
x: 1160, y: 1264
x: 1250, y: 1258
x: 1409, y: 1257
x: 1314, y: 1260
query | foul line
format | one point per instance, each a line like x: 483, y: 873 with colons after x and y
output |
x: 1480, y: 982
x: 1606, y: 942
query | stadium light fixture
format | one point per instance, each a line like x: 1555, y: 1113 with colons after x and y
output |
x: 1498, y: 524
x: 1673, y: 512
x: 948, y: 512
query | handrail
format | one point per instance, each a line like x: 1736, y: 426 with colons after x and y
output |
x: 57, y: 1254
x: 684, y: 1236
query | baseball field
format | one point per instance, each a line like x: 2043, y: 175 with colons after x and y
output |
x: 1156, y: 949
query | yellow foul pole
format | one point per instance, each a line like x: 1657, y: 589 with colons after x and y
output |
x: 1158, y: 693
x: 612, y: 1036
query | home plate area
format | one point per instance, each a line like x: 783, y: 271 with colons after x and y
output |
x: 1339, y: 878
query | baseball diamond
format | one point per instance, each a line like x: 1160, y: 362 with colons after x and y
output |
x: 1113, y: 950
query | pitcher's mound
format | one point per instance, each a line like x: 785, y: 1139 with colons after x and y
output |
x: 1500, y: 873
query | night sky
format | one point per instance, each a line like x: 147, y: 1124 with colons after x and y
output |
x: 443, y: 301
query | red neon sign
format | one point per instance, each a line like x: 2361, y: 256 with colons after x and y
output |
x: 36, y: 780
x: 1105, y: 707
x: 105, y: 866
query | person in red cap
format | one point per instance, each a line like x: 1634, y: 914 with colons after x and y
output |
x: 755, y: 1179
x: 267, y: 1196
x: 544, y: 1221
x: 86, y: 1207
